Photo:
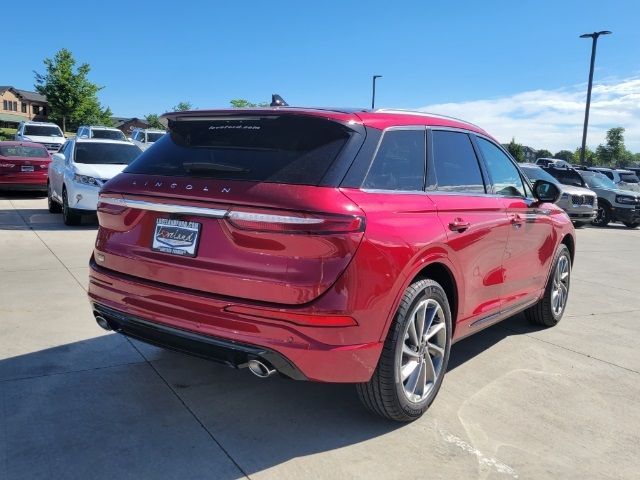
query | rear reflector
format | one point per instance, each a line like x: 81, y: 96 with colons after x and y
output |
x: 294, y: 222
x: 307, y: 320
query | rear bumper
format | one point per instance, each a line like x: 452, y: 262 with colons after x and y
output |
x: 201, y: 325
x: 230, y: 353
x: 24, y: 182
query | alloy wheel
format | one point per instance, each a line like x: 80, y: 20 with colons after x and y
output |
x: 560, y: 289
x: 423, y: 350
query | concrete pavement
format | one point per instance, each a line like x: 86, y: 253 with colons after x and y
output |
x: 517, y: 402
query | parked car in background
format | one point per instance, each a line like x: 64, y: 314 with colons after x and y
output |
x: 635, y: 170
x: 93, y: 131
x: 328, y: 245
x: 614, y: 203
x: 624, y: 179
x: 80, y: 169
x: 23, y: 166
x: 145, y: 137
x: 557, y: 162
x: 47, y: 134
x: 579, y: 203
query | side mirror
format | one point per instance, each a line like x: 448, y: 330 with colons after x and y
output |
x: 546, y: 192
x: 58, y: 157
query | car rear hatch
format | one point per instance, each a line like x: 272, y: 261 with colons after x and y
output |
x: 236, y: 205
x: 19, y: 160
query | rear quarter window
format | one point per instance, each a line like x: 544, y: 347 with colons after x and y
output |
x: 399, y: 163
x: 280, y: 149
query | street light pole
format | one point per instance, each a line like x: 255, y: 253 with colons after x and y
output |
x: 594, y: 36
x: 373, y: 94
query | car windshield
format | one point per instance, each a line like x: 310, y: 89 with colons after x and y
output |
x: 154, y: 136
x: 629, y: 178
x: 22, y: 151
x: 106, y: 153
x: 597, y: 180
x: 108, y: 134
x: 42, y: 131
x: 536, y: 173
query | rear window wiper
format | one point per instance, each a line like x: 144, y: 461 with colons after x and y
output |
x: 207, y: 166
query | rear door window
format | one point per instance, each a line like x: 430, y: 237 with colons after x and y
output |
x: 399, y: 163
x: 291, y: 149
x: 455, y: 163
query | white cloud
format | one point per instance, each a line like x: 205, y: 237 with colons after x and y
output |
x: 553, y: 119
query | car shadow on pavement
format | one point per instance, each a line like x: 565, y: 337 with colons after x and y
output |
x: 39, y: 219
x: 96, y: 409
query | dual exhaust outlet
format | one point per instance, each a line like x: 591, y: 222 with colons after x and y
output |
x: 256, y: 366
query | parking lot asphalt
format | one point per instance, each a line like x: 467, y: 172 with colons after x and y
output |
x: 517, y: 402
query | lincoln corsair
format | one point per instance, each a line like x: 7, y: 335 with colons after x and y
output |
x: 327, y: 245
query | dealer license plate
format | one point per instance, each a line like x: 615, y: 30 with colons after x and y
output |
x: 176, y: 237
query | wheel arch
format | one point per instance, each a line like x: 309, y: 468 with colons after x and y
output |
x: 570, y: 243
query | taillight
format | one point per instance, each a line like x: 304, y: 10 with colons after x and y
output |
x: 293, y: 222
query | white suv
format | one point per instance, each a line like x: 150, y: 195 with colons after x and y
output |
x: 78, y: 171
x: 47, y: 134
x: 624, y: 179
x: 145, y: 137
x: 92, y: 131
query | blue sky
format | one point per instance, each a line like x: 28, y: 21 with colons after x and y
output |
x: 151, y: 55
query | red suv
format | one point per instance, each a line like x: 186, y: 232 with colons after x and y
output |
x: 327, y: 245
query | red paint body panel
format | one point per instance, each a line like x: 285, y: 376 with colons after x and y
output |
x: 352, y: 280
x: 11, y: 168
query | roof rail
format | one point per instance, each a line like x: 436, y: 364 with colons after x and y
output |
x: 423, y: 114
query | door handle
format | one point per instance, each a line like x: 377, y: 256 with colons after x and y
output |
x: 458, y: 225
x: 516, y: 220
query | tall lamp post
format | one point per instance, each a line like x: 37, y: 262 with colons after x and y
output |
x: 594, y: 36
x: 373, y: 94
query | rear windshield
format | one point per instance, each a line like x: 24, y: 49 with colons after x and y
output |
x: 42, y: 131
x: 20, y: 151
x: 109, y: 134
x: 534, y: 173
x: 106, y: 153
x: 154, y: 136
x: 629, y: 178
x: 567, y: 176
x: 281, y: 149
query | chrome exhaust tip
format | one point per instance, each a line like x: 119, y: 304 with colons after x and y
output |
x: 260, y: 369
x: 100, y: 320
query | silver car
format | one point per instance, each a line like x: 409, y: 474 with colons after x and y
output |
x: 581, y: 204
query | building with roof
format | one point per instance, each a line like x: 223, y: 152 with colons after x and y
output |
x: 19, y: 105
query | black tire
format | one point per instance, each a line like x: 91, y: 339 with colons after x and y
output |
x: 69, y: 215
x: 631, y: 224
x: 603, y: 217
x: 542, y: 313
x: 54, y: 207
x: 579, y: 224
x: 384, y: 394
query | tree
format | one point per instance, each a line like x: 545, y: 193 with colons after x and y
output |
x: 242, y: 103
x: 182, y: 106
x: 516, y: 150
x: 615, y: 144
x: 565, y: 155
x: 543, y: 153
x: 154, y: 121
x: 590, y: 157
x: 72, y: 97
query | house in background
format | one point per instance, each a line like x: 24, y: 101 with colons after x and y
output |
x: 127, y: 125
x: 20, y: 105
